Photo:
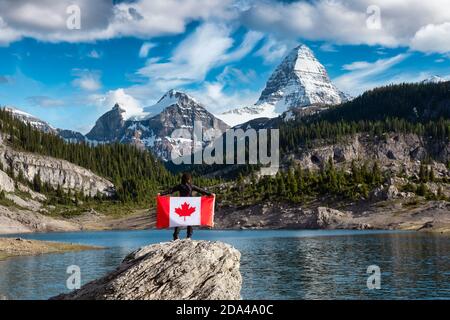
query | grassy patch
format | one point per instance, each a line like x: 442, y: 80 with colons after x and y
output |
x: 9, y: 203
x: 108, y: 208
x: 3, y: 256
x: 412, y: 203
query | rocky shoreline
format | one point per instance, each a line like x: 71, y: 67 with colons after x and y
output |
x: 431, y: 216
x: 397, y: 214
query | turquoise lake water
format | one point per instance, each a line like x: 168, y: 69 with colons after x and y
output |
x: 316, y: 264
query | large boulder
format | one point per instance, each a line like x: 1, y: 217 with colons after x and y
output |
x: 182, y: 269
x: 6, y: 183
x: 327, y: 218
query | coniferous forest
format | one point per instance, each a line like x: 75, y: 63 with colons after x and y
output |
x: 422, y: 109
x: 138, y: 175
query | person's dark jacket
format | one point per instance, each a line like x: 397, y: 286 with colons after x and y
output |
x: 185, y: 190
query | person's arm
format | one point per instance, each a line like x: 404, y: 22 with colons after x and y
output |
x: 201, y: 191
x: 170, y: 191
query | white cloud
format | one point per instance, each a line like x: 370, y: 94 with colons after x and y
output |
x: 423, y: 25
x: 345, y: 22
x: 192, y: 59
x: 211, y: 45
x: 45, y: 20
x: 213, y: 95
x: 367, y: 75
x: 251, y: 39
x: 357, y: 65
x: 87, y: 80
x: 145, y: 48
x: 432, y: 38
x: 7, y: 34
x: 328, y: 47
x: 272, y: 50
x: 236, y: 76
x: 107, y: 100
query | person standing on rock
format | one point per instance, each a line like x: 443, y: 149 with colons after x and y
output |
x: 185, y: 189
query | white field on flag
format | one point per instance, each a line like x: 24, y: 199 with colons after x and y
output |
x: 185, y: 211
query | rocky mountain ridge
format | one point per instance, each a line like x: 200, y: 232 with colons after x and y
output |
x: 55, y: 172
x: 179, y: 111
x: 30, y: 119
x: 393, y: 151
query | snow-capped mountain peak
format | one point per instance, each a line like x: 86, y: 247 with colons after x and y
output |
x: 299, y: 81
x: 30, y: 119
x: 108, y: 125
x: 153, y: 130
x: 434, y: 79
x: 119, y: 108
x: 175, y: 95
x: 172, y: 97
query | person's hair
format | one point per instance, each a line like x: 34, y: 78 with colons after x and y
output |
x: 186, y: 178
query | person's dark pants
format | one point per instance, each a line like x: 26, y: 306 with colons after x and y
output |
x: 176, y: 232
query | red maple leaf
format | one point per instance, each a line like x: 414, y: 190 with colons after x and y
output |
x: 185, y: 210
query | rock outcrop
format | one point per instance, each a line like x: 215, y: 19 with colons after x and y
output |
x: 109, y: 126
x: 6, y: 183
x: 396, y: 152
x: 327, y: 217
x: 281, y: 216
x: 14, y: 220
x: 182, y: 269
x: 54, y: 171
x: 154, y: 128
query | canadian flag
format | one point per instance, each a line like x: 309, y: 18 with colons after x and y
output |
x: 184, y: 211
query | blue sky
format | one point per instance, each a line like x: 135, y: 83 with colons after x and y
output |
x: 221, y: 52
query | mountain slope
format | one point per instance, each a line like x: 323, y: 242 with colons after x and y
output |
x: 414, y: 102
x: 30, y: 119
x: 154, y: 132
x: 109, y: 126
x: 180, y: 112
x: 134, y: 173
x: 35, y: 122
x: 299, y: 81
x: 434, y: 79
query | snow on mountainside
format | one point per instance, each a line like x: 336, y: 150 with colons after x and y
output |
x: 30, y: 119
x: 241, y: 115
x: 434, y: 79
x: 299, y: 81
x: 71, y: 136
x: 180, y: 111
x: 153, y: 129
x: 170, y: 98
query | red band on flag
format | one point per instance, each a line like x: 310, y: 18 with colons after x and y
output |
x: 162, y: 211
x: 207, y: 215
x: 184, y: 211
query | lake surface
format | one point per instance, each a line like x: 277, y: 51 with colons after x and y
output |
x: 317, y: 264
